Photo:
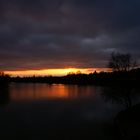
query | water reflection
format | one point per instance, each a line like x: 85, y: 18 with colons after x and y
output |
x: 4, y: 95
x: 122, y: 94
x: 71, y: 116
x: 45, y: 91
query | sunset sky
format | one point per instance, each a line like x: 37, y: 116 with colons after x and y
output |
x: 50, y: 36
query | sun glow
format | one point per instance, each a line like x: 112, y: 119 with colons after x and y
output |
x: 52, y: 72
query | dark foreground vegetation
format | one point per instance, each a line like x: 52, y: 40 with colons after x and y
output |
x: 128, y: 123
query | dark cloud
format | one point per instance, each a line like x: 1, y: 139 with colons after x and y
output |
x: 39, y: 34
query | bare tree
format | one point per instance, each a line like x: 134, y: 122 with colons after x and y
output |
x: 121, y: 62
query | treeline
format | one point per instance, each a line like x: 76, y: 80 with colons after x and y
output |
x: 131, y: 77
x: 4, y: 79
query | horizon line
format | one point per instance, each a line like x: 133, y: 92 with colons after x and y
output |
x: 53, y: 71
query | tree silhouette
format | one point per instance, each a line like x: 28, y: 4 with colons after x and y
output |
x: 121, y: 62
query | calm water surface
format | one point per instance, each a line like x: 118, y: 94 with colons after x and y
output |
x: 34, y: 92
x: 34, y: 111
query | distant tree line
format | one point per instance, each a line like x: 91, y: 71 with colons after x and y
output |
x: 131, y: 77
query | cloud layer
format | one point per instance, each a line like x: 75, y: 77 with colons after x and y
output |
x: 40, y: 34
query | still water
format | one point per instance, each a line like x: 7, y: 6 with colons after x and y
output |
x: 35, y: 111
x: 34, y: 92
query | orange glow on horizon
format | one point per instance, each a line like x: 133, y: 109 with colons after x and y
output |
x: 53, y: 72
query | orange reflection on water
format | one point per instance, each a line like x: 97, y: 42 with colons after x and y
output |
x: 44, y: 91
x: 38, y: 91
